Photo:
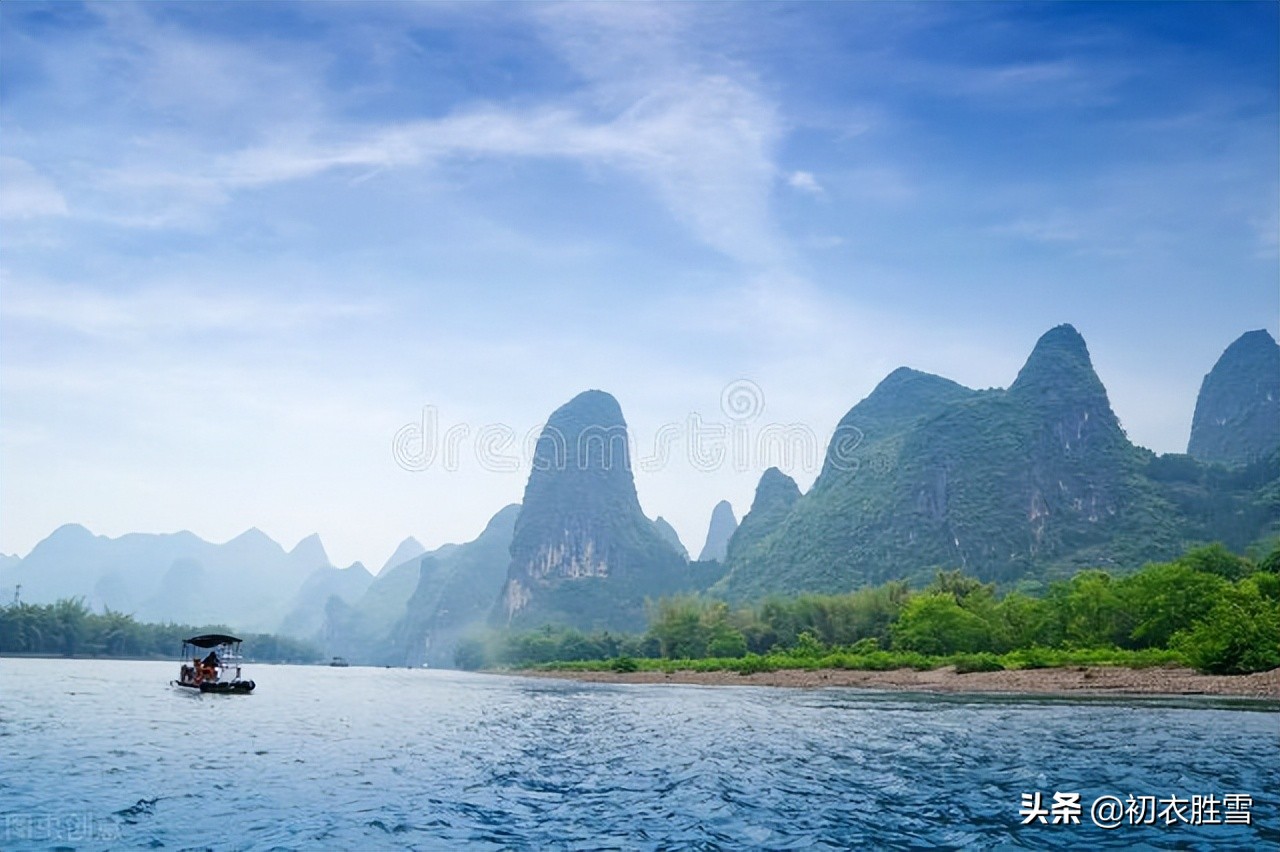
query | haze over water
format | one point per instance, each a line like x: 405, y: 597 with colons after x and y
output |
x: 105, y: 755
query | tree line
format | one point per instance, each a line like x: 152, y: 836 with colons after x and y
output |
x: 70, y: 628
x: 1211, y: 609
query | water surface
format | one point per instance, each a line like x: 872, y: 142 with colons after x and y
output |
x: 105, y: 755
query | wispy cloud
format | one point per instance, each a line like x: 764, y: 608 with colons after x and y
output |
x: 26, y: 194
x: 702, y: 140
x: 170, y: 312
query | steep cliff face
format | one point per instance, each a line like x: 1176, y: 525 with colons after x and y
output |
x: 1028, y: 482
x: 719, y: 531
x: 1237, y: 417
x: 583, y: 553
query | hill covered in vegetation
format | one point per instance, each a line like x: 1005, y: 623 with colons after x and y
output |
x: 1016, y: 486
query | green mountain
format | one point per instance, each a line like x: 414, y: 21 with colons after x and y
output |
x: 1011, y: 485
x: 776, y: 494
x: 1237, y: 417
x: 584, y: 554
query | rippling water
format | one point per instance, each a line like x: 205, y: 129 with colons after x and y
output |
x: 104, y: 755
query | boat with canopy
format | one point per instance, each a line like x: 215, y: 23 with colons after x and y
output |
x: 219, y: 671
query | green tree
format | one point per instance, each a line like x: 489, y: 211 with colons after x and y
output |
x: 935, y: 624
x: 678, y: 627
x: 1088, y: 611
x: 1164, y: 599
x: 1217, y: 559
x: 1241, y: 634
x: 1021, y: 621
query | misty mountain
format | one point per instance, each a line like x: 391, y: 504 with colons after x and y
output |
x: 456, y: 595
x: 669, y: 535
x: 305, y: 616
x: 408, y: 550
x: 719, y: 531
x: 247, y: 582
x: 414, y: 612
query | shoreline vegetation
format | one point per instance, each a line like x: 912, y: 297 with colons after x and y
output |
x: 68, y: 628
x: 1206, y: 623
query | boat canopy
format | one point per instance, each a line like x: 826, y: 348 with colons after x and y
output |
x: 211, y: 640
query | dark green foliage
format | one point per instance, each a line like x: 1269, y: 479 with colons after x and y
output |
x: 548, y: 644
x: 1177, y: 612
x: 1271, y: 562
x: 1166, y: 598
x: 688, y: 628
x: 1240, y: 634
x: 1216, y: 559
x: 776, y: 493
x: 70, y: 628
x: 935, y: 624
x: 1089, y: 611
x: 1237, y: 418
x: 986, y: 662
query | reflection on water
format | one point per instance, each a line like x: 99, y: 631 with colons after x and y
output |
x: 98, y: 755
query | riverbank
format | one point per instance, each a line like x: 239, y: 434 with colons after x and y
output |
x: 1075, y: 680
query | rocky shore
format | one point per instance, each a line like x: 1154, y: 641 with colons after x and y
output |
x: 1073, y: 680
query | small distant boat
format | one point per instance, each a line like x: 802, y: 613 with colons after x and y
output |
x: 339, y: 663
x: 219, y: 671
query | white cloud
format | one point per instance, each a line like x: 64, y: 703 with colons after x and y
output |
x: 805, y: 182
x: 25, y: 193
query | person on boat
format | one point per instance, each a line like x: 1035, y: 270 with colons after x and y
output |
x: 212, y: 660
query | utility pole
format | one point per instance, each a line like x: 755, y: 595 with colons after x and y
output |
x: 17, y: 592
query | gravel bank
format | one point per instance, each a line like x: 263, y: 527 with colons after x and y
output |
x: 1078, y: 680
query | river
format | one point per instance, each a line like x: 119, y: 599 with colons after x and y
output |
x: 106, y: 755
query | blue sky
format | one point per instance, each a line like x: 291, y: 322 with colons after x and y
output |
x: 243, y: 246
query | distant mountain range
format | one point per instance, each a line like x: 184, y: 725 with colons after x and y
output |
x: 249, y: 581
x: 1017, y: 486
